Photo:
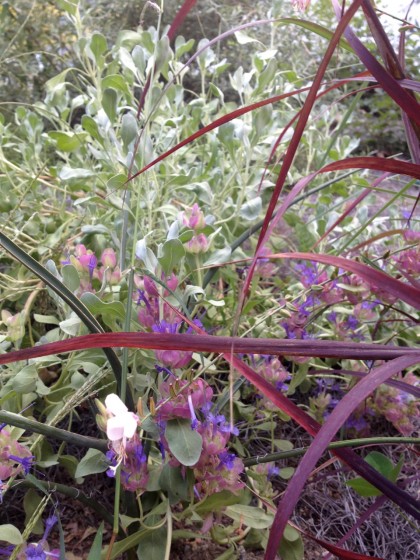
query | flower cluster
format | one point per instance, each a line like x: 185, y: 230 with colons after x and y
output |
x: 126, y: 449
x: 159, y: 317
x: 41, y: 549
x: 217, y: 468
x: 193, y: 218
x: 14, y: 457
x: 86, y: 262
x: 134, y: 472
x: 274, y: 372
x: 301, y: 5
x: 15, y: 325
x: 34, y: 551
x: 408, y: 262
x: 324, y: 292
x: 400, y: 408
x: 262, y: 475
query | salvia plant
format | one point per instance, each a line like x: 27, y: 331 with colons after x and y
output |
x: 189, y: 274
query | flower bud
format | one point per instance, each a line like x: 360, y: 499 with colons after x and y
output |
x: 109, y: 258
x: 198, y: 244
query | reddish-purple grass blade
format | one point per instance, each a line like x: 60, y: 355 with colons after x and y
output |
x: 178, y: 20
x: 407, y: 83
x: 219, y: 344
x: 388, y: 83
x: 405, y: 292
x: 339, y: 552
x: 397, y: 383
x: 325, y: 435
x: 394, y: 65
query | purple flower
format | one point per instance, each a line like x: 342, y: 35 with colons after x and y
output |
x: 359, y: 424
x: 6, y: 552
x: 35, y: 552
x: 227, y: 460
x: 162, y: 369
x: 26, y: 462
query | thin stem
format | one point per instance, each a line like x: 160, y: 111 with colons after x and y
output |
x: 56, y: 433
x: 127, y: 324
x: 334, y: 445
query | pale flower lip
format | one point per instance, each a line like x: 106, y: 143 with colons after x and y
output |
x: 122, y: 424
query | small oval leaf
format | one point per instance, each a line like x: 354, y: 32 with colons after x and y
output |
x: 184, y: 442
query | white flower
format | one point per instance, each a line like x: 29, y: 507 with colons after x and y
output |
x: 122, y: 424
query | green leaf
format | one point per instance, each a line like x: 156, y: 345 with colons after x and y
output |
x: 128, y: 128
x: 93, y: 462
x: 244, y: 39
x: 184, y: 442
x: 219, y: 257
x: 153, y: 545
x: 286, y: 473
x: 9, y: 533
x: 163, y: 52
x: 117, y: 82
x: 95, y: 551
x: 251, y: 209
x: 69, y: 173
x: 172, y: 253
x: 70, y: 6
x: 382, y: 464
x: 217, y: 502
x: 116, y: 182
x: 305, y: 237
x: 250, y: 516
x: 111, y: 310
x: 109, y: 103
x: 182, y: 47
x: 66, y: 141
x: 90, y: 126
x: 146, y: 255
x: 71, y: 326
x: 52, y: 84
x: 172, y: 481
x: 31, y: 502
x: 71, y: 277
x: 25, y: 381
x: 291, y: 550
x: 126, y: 544
x: 290, y: 533
x: 139, y: 58
x: 283, y: 444
x: 46, y: 319
x: 98, y: 45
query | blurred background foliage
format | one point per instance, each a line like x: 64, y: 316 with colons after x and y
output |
x: 36, y: 43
